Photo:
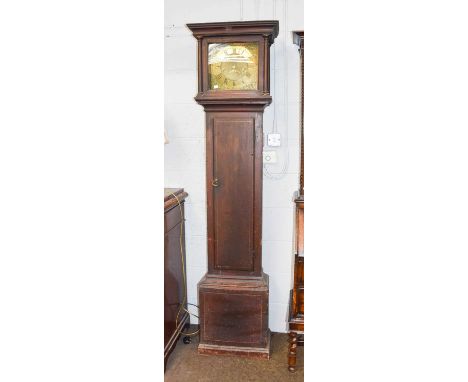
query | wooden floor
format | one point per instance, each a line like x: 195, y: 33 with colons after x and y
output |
x: 186, y: 365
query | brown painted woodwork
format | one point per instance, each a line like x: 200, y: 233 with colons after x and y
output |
x: 233, y: 295
x: 173, y: 277
x: 296, y: 300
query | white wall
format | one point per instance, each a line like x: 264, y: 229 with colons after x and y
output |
x: 185, y: 125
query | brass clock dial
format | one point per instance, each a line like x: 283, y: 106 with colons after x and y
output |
x: 233, y: 66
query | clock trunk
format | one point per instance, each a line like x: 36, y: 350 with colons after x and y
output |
x: 234, y: 192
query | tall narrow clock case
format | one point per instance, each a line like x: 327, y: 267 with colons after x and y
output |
x: 234, y: 89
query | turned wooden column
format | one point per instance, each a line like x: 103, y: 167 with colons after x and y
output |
x: 296, y: 301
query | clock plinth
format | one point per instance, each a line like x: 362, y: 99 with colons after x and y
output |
x: 234, y: 89
x: 235, y: 316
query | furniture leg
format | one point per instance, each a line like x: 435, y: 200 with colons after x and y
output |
x: 292, y: 351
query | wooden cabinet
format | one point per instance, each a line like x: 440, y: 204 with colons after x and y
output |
x: 174, y: 259
x: 233, y: 87
x: 296, y: 300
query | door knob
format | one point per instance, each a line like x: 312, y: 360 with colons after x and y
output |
x: 215, y: 182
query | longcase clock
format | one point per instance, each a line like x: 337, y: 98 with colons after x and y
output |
x: 234, y: 89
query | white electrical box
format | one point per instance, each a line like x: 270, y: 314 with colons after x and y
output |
x: 274, y: 139
x: 269, y: 157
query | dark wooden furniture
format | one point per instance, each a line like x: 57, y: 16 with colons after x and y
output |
x: 233, y: 295
x: 174, y: 287
x: 296, y: 300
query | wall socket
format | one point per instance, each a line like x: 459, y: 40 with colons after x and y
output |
x: 269, y: 157
x: 274, y: 140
